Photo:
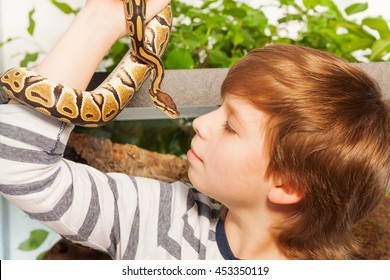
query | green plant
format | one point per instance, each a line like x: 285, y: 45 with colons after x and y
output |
x: 215, y: 35
x: 163, y: 136
x: 218, y: 33
x: 327, y: 28
x: 34, y: 241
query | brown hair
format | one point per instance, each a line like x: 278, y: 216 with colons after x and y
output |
x: 327, y: 135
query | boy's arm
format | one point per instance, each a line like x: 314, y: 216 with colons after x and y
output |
x: 75, y: 57
x: 77, y: 201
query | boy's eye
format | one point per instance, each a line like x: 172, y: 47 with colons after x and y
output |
x: 228, y: 128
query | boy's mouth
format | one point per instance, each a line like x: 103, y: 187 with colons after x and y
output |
x: 191, y: 155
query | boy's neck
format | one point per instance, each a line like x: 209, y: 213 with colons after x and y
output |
x: 251, y: 238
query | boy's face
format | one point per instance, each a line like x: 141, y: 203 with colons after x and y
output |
x: 227, y: 157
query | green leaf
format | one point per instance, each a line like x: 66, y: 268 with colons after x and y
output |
x: 219, y: 58
x: 65, y: 8
x: 287, y: 2
x: 309, y: 4
x: 9, y: 40
x: 357, y: 43
x: 238, y: 38
x: 29, y: 57
x: 205, y: 4
x: 356, y: 8
x: 37, y: 237
x: 179, y: 59
x: 256, y: 19
x: 41, y: 255
x: 380, y: 48
x: 332, y: 7
x: 235, y: 12
x: 31, y: 22
x: 378, y: 24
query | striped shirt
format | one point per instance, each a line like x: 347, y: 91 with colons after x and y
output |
x: 127, y: 217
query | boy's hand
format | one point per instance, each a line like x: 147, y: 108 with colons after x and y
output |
x: 153, y: 7
x: 112, y: 10
x: 96, y: 27
x: 109, y: 12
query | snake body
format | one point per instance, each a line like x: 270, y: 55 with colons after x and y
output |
x: 98, y: 107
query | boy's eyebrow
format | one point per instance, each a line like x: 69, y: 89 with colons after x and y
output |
x: 237, y: 115
x: 231, y: 109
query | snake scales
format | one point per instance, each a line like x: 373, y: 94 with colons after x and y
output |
x: 97, y: 107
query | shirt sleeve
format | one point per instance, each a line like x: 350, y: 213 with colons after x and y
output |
x: 127, y: 217
x: 80, y: 203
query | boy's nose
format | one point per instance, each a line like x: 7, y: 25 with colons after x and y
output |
x: 205, y: 124
x: 196, y: 125
x: 200, y: 125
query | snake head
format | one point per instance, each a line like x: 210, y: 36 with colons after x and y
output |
x: 165, y: 103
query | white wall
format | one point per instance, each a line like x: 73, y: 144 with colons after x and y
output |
x: 50, y: 24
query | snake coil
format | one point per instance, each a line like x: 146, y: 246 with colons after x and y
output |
x: 98, y: 107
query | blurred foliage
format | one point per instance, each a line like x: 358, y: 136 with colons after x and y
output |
x: 36, y: 238
x: 218, y: 33
x: 34, y: 241
x: 163, y: 136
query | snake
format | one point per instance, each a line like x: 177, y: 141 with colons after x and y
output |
x: 98, y: 107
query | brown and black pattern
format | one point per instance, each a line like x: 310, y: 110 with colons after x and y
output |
x: 97, y: 107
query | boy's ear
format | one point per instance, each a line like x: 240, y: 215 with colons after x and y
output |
x: 284, y: 194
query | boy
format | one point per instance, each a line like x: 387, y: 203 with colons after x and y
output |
x: 296, y: 154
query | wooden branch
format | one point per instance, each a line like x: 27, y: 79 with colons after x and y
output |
x: 106, y: 156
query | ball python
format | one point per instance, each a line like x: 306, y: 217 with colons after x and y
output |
x: 98, y: 107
